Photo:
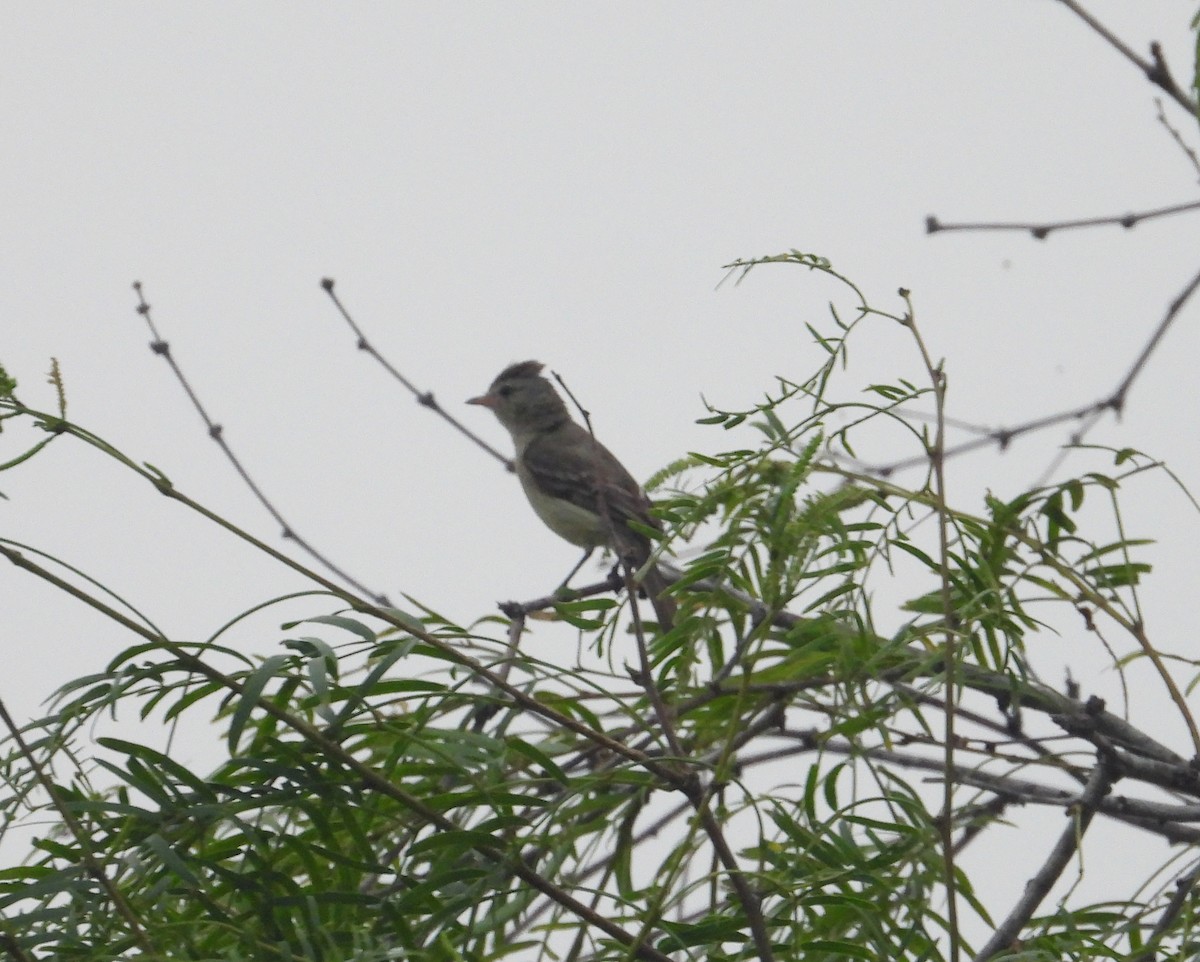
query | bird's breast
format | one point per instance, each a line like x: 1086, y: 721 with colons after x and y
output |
x: 569, y: 521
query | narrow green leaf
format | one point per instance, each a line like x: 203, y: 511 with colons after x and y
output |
x: 352, y: 625
x: 252, y: 689
x: 167, y: 855
x: 534, y: 754
x: 912, y: 549
x: 835, y: 947
x: 714, y: 930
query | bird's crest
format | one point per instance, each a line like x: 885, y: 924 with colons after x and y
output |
x: 521, y: 369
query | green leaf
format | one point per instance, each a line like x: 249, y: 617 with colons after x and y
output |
x: 409, y: 622
x: 578, y: 613
x: 167, y: 855
x: 711, y: 564
x: 153, y: 757
x: 912, y: 549
x: 713, y: 930
x: 1104, y: 481
x: 928, y: 604
x: 352, y: 625
x: 835, y: 947
x: 534, y: 754
x: 1118, y: 575
x: 252, y: 692
x: 450, y: 844
x: 1110, y: 548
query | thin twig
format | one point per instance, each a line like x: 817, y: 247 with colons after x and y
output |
x: 1176, y: 136
x: 612, y: 582
x: 936, y: 454
x: 1115, y: 401
x: 424, y: 398
x: 1152, y: 817
x: 644, y: 676
x: 1000, y: 437
x: 217, y: 433
x: 1156, y: 72
x: 1040, y: 231
x: 1032, y: 745
x: 1119, y: 396
x: 749, y: 899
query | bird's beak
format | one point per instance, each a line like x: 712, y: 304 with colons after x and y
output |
x: 485, y: 400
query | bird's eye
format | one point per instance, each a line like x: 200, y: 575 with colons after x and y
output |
x: 506, y: 391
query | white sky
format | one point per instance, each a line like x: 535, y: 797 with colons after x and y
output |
x: 490, y: 183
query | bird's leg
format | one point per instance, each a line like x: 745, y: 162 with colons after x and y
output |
x: 574, y: 571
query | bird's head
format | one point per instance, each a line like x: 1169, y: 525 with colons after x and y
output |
x: 524, y: 401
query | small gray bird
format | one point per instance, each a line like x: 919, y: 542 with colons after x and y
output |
x: 574, y: 483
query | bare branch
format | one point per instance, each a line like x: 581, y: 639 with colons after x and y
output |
x: 1068, y: 843
x: 424, y: 398
x: 217, y: 433
x: 1176, y: 136
x: 1155, y: 70
x: 1087, y: 414
x: 1040, y: 231
x: 1117, y: 401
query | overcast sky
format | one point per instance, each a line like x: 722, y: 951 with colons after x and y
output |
x: 495, y: 182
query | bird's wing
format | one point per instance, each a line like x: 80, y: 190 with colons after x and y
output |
x: 584, y: 471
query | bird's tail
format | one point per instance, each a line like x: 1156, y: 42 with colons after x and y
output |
x: 655, y: 585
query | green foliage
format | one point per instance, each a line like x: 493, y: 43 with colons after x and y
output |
x: 399, y: 786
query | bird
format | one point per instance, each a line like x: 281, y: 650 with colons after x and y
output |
x: 574, y: 483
